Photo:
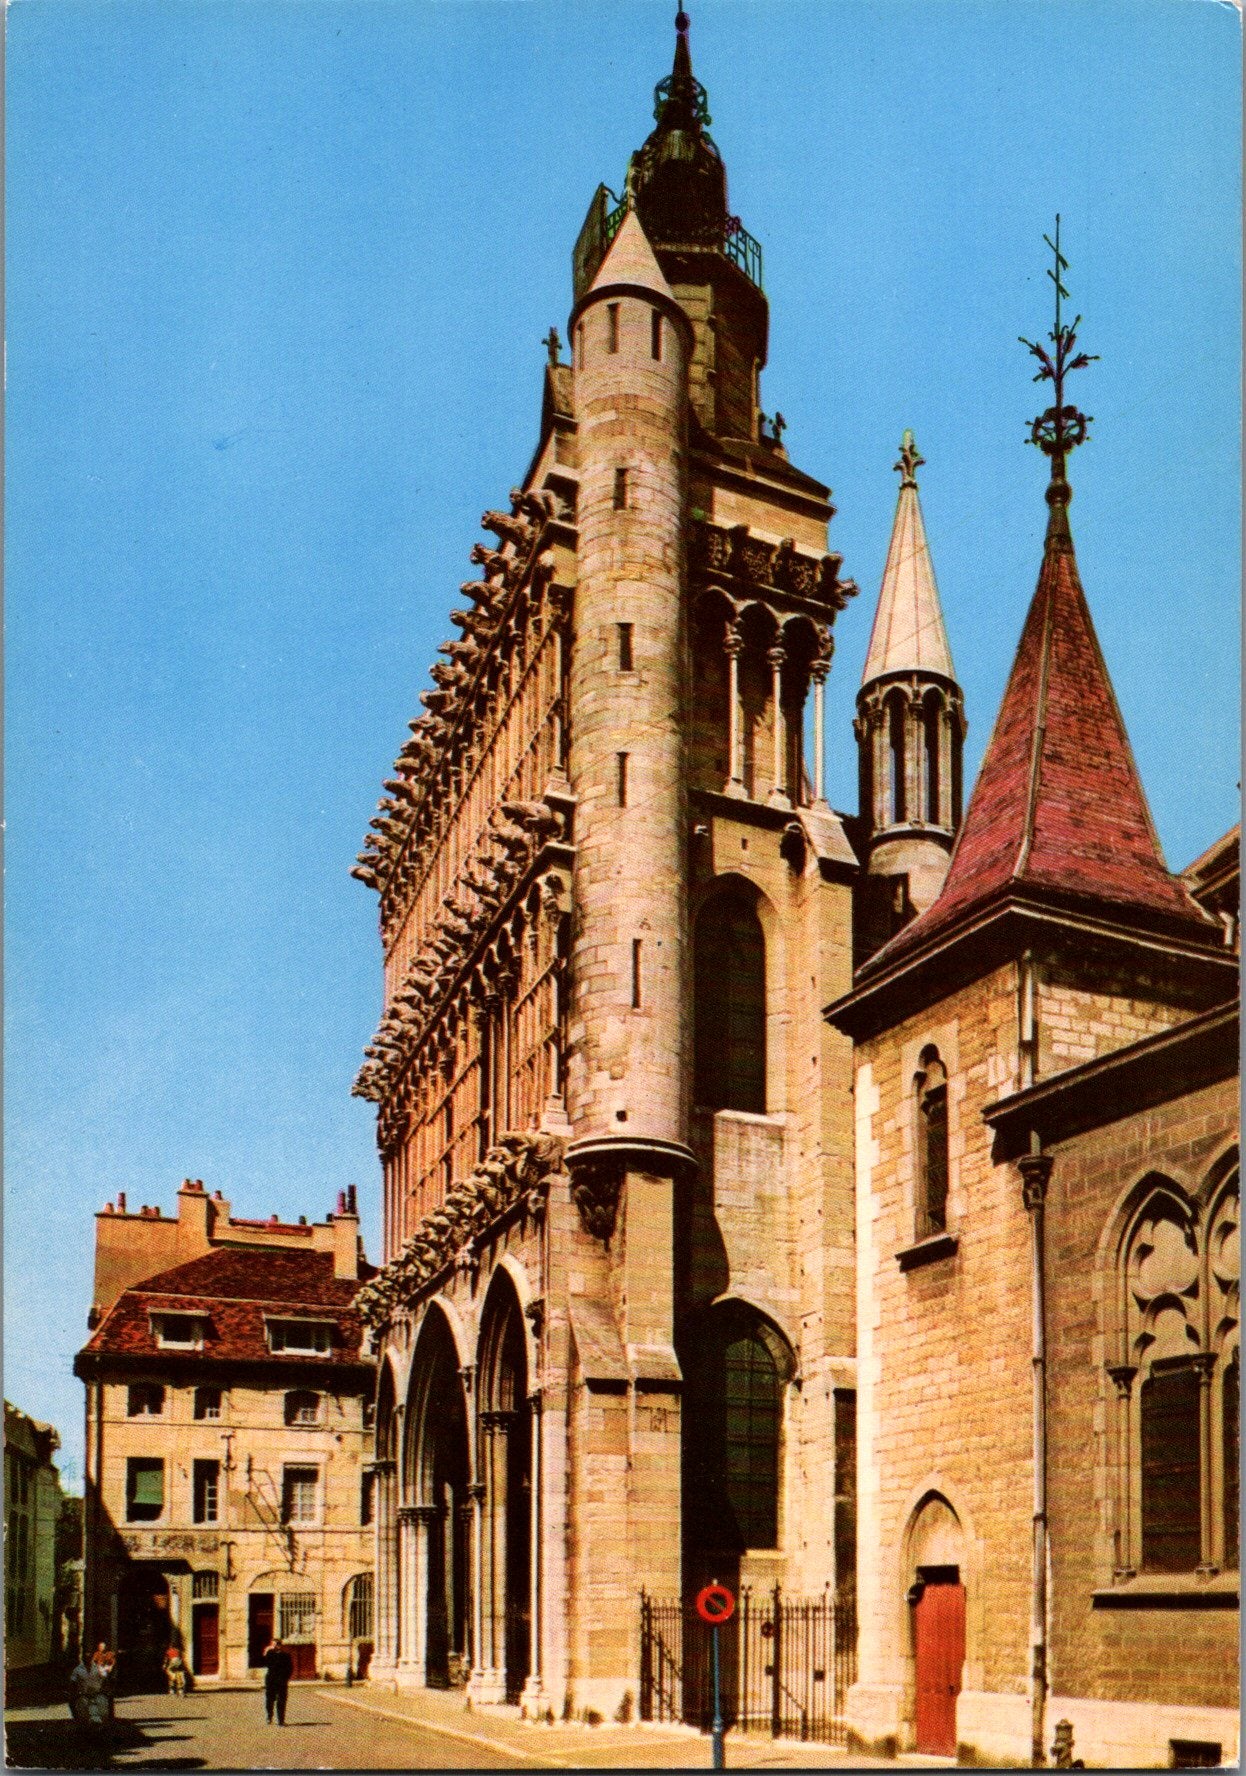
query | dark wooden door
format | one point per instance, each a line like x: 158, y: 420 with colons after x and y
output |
x: 259, y: 1625
x: 205, y: 1635
x: 939, y: 1651
x: 303, y: 1653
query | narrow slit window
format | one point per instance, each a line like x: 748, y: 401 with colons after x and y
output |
x: 625, y: 647
x: 622, y: 763
x: 620, y: 490
x: 655, y: 335
x: 932, y: 1146
x: 612, y: 326
x: 636, y: 973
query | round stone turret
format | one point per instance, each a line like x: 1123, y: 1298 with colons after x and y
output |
x: 628, y: 1073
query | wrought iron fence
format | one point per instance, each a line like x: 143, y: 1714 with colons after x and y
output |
x: 786, y: 1664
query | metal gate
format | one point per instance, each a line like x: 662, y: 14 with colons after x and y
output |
x: 787, y: 1663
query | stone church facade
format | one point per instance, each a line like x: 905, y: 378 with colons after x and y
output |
x: 643, y: 1198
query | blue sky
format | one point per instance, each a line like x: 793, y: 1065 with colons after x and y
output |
x: 278, y: 278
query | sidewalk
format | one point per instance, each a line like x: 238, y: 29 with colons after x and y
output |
x: 573, y: 1746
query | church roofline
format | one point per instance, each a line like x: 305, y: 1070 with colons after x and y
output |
x: 991, y: 935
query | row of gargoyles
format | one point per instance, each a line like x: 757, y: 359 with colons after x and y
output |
x: 520, y: 528
x: 519, y: 831
x: 521, y: 1165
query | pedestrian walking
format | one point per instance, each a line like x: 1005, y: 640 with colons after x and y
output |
x: 278, y: 1670
x: 175, y: 1671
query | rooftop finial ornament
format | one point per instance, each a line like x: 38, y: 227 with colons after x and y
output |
x: 910, y: 461
x: 1061, y: 428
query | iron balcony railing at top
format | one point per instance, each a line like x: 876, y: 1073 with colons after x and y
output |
x: 786, y: 1664
x: 737, y: 243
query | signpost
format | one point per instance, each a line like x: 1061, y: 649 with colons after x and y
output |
x: 716, y: 1605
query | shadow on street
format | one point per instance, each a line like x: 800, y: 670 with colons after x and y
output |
x: 62, y: 1745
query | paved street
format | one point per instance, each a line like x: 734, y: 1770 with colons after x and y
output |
x: 374, y: 1730
x: 226, y: 1730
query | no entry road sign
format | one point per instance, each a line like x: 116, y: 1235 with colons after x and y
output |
x: 715, y: 1604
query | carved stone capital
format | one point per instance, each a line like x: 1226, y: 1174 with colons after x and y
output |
x: 1122, y: 1378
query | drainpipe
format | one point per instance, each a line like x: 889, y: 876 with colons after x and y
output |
x: 1035, y: 1169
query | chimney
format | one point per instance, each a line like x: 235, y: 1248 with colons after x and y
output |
x: 195, y: 1216
x: 121, y: 1202
x: 345, y: 1228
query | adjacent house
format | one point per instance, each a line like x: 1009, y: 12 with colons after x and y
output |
x: 229, y: 1441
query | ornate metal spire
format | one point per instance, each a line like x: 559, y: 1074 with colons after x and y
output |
x: 680, y: 101
x: 1062, y: 427
x: 910, y: 461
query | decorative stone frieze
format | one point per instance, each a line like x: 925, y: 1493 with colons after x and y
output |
x: 774, y: 567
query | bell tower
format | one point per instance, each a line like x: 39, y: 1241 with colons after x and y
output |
x: 910, y: 727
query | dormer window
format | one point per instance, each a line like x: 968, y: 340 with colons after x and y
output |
x: 300, y: 1338
x: 178, y: 1331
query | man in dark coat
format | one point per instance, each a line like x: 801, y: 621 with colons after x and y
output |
x: 278, y: 1668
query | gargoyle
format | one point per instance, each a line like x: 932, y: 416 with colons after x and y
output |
x: 508, y: 528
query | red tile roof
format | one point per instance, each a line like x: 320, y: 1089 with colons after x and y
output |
x: 235, y: 1288
x: 1058, y: 810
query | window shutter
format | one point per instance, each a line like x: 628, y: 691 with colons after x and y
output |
x: 147, y: 1483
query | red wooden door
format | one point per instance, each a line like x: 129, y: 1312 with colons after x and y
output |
x: 206, y: 1640
x: 939, y: 1650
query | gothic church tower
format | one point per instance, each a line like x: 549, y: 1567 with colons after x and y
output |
x: 617, y: 1310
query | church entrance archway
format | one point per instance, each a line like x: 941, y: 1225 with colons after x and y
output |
x: 505, y: 1454
x: 443, y: 1506
x: 937, y: 1604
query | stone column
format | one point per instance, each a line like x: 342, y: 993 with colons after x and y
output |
x: 819, y: 672
x: 946, y: 718
x: 476, y: 1494
x: 1122, y: 1375
x: 776, y: 656
x: 407, y: 1595
x: 1204, y: 1368
x: 878, y: 719
x: 535, y: 1703
x: 733, y: 646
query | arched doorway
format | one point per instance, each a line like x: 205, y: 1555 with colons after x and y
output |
x: 505, y: 1451
x: 936, y: 1598
x: 440, y: 1489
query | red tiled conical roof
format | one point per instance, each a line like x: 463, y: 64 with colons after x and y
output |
x: 1058, y: 809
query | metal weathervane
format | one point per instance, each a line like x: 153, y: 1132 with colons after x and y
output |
x: 1062, y: 427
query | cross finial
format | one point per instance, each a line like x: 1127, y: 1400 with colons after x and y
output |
x: 553, y: 345
x: 1062, y: 427
x: 910, y: 461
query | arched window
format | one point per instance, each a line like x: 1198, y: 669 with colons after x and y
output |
x: 1177, y: 1381
x: 736, y: 1374
x: 932, y: 721
x: 730, y: 1006
x: 932, y: 1145
x: 895, y: 737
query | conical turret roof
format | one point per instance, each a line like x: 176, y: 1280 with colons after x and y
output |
x: 630, y: 260
x: 908, y: 633
x: 1058, y: 811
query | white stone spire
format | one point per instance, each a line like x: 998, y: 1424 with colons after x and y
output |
x: 908, y: 634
